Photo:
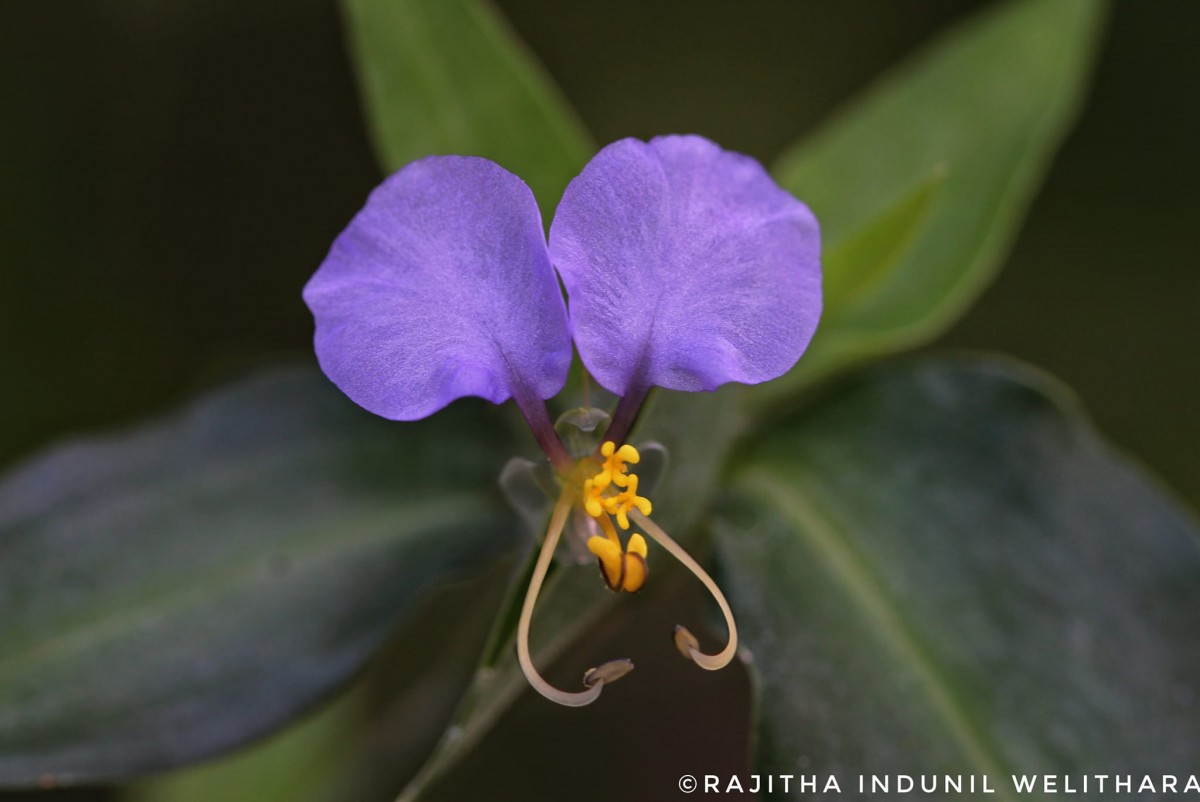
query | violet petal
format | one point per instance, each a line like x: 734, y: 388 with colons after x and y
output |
x: 686, y: 267
x: 441, y: 287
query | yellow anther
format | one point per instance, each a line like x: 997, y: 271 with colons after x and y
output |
x: 612, y: 560
x: 622, y: 569
x: 593, y: 501
x: 620, y: 504
x: 636, y: 570
x: 616, y: 461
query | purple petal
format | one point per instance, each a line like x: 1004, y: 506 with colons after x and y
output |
x: 686, y: 267
x: 441, y: 287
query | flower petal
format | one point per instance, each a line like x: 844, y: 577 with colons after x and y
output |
x: 686, y: 267
x: 441, y: 287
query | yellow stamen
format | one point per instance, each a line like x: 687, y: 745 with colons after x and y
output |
x: 622, y: 569
x: 593, y: 501
x: 628, y: 499
x: 636, y: 570
x: 614, y: 470
x: 612, y: 560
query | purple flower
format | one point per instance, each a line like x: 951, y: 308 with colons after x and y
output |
x: 685, y: 266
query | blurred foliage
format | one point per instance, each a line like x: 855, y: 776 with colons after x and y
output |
x: 373, y: 737
x: 175, y: 590
x: 942, y: 569
x: 447, y: 77
x: 984, y: 108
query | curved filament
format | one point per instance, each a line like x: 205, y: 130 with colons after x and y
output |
x: 595, y: 678
x: 684, y: 639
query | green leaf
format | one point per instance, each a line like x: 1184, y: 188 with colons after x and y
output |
x: 448, y: 76
x: 295, y: 765
x: 856, y: 266
x: 942, y: 568
x: 373, y: 737
x: 989, y: 103
x: 174, y: 590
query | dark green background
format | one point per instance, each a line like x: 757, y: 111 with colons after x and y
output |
x: 171, y: 174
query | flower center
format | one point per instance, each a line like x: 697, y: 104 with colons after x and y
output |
x: 613, y: 491
x: 598, y: 485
